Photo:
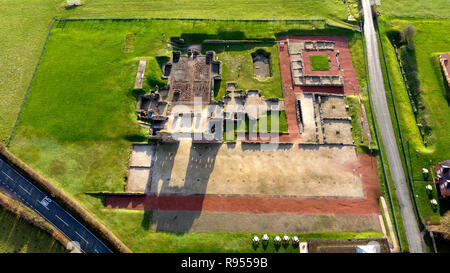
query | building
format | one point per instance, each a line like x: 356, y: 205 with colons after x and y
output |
x: 442, y: 179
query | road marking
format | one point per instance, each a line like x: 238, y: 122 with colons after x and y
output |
x: 7, y: 175
x: 82, y: 237
x: 61, y: 220
x: 25, y: 190
x: 43, y: 206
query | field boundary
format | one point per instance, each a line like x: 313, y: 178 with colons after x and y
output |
x: 326, y: 22
x: 186, y: 19
x: 410, y: 181
x: 31, y: 82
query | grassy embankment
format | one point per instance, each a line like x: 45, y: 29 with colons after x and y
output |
x: 432, y: 100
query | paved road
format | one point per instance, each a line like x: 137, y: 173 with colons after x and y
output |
x: 30, y: 195
x: 387, y: 134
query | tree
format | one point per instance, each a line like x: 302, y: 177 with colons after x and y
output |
x: 407, y: 34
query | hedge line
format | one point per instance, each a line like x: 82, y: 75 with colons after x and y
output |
x: 65, y: 201
x: 32, y: 217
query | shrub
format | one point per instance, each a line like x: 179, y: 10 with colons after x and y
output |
x: 407, y: 34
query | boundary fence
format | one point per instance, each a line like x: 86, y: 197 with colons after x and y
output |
x: 29, y: 85
x: 410, y: 181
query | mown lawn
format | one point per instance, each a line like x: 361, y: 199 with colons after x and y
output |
x: 319, y: 62
x: 18, y: 236
x: 79, y: 122
x: 431, y: 38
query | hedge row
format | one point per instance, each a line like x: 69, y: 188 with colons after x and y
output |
x: 65, y: 201
x: 32, y: 217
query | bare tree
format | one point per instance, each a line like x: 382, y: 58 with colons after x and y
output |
x: 407, y: 34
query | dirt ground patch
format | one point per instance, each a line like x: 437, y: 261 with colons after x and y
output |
x: 137, y: 179
x: 139, y: 167
x: 244, y: 169
x: 337, y: 131
x: 141, y: 155
x: 333, y: 107
x: 201, y: 221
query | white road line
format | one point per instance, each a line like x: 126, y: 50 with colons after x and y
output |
x: 25, y: 190
x: 7, y: 175
x: 82, y: 237
x: 61, y: 220
x: 44, y: 206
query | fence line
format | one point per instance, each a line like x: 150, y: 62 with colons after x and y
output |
x: 185, y: 19
x: 413, y: 104
x: 31, y: 81
x: 411, y: 185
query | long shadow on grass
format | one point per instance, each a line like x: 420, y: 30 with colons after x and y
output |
x: 147, y: 219
x: 135, y: 93
x: 135, y: 138
x: 161, y: 60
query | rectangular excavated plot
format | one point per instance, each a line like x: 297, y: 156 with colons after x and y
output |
x: 338, y: 131
x: 140, y: 74
x: 201, y: 221
x: 333, y: 107
x: 141, y: 155
x: 138, y: 178
x: 307, y: 117
x: 243, y: 169
x: 139, y: 167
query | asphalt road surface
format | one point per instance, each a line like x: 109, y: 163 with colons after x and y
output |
x: 383, y: 117
x: 34, y: 198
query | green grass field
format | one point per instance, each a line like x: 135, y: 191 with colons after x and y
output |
x: 319, y: 62
x: 231, y: 9
x: 79, y: 122
x: 431, y: 38
x: 18, y: 236
x: 408, y: 8
x: 25, y: 23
